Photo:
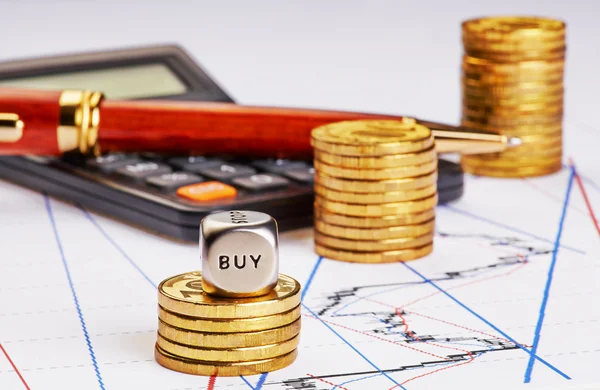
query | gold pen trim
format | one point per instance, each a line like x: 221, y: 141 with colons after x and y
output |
x: 11, y: 127
x: 78, y: 122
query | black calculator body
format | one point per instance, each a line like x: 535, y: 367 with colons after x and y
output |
x: 156, y: 192
x: 141, y: 189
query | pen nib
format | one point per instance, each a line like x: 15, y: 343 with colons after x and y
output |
x: 511, y: 142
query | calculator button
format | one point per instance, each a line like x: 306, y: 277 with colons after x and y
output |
x: 173, y: 180
x: 207, y: 191
x: 226, y: 172
x: 261, y: 182
x: 306, y: 175
x: 194, y: 163
x: 110, y: 162
x: 157, y: 157
x: 141, y: 170
x: 278, y: 165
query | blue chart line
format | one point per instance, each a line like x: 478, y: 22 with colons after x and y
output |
x: 308, y: 283
x: 505, y: 335
x: 263, y: 377
x: 75, y: 299
x: 259, y: 384
x: 246, y: 381
x: 261, y: 381
x: 507, y: 227
x: 117, y: 246
x: 353, y: 347
x: 540, y: 322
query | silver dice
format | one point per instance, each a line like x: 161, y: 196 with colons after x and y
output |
x: 240, y: 256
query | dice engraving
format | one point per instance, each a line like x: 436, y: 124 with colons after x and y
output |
x: 239, y: 251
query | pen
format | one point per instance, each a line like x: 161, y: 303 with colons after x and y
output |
x: 54, y: 122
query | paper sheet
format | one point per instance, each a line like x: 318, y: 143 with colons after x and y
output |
x: 508, y: 299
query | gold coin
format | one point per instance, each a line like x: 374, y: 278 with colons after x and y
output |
x: 478, y: 42
x: 518, y: 88
x: 542, y: 150
x: 377, y: 210
x: 375, y: 222
x: 503, y: 105
x: 542, y: 53
x: 552, y: 109
x: 495, y: 101
x: 507, y: 72
x: 514, y: 162
x: 489, y: 77
x: 376, y: 174
x: 549, y: 146
x: 228, y: 354
x: 373, y: 245
x: 541, y: 138
x: 515, y: 129
x: 372, y: 137
x: 512, y: 100
x: 386, y: 233
x: 483, y: 47
x: 375, y: 197
x: 200, y: 367
x: 528, y: 171
x: 499, y: 92
x: 391, y: 161
x: 374, y: 257
x: 365, y: 187
x: 183, y: 294
x: 514, y: 28
x: 229, y: 340
x: 229, y: 325
x: 541, y: 144
x: 524, y: 120
x: 515, y: 154
x: 480, y: 64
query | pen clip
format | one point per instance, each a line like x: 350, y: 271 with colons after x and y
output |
x: 11, y: 127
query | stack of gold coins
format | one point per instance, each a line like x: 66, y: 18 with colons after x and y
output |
x: 512, y: 83
x: 375, y: 190
x: 203, y: 334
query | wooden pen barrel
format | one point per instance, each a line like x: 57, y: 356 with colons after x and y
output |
x: 213, y: 128
x: 39, y: 111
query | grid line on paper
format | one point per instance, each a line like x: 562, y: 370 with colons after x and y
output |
x: 504, y: 334
x: 507, y: 227
x: 117, y: 246
x: 311, y: 276
x: 315, y: 315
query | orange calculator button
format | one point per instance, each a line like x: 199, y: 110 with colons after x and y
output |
x: 210, y: 190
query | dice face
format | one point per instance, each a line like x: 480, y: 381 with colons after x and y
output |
x: 239, y: 252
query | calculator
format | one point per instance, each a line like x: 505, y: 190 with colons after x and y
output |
x: 165, y: 194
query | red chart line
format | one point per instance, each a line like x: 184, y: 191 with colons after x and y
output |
x: 327, y: 382
x: 211, y: 382
x: 585, y: 197
x: 471, y: 358
x: 14, y: 367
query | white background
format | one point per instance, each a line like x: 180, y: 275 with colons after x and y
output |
x: 384, y: 56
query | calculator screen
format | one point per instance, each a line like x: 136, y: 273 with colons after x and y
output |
x: 124, y: 82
